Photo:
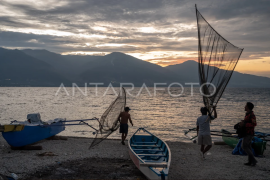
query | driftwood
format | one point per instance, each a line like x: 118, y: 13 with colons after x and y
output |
x: 46, y: 154
x: 28, y: 147
x: 219, y: 143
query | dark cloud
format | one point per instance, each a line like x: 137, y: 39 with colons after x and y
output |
x: 15, y: 23
x: 242, y: 22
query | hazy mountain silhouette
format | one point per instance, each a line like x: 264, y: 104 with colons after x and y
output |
x: 44, y: 68
x: 114, y: 68
x: 247, y: 80
x: 19, y: 69
x: 121, y: 68
x: 189, y: 70
x: 69, y: 66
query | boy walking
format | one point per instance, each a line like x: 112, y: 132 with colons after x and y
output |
x: 123, y: 119
x: 203, y: 130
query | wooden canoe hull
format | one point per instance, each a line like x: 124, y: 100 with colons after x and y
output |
x: 150, y: 154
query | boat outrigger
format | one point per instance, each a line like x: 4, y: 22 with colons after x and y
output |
x: 259, y: 141
x: 22, y: 133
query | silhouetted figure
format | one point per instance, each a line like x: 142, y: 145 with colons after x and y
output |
x: 203, y: 130
x: 249, y: 123
x: 123, y: 119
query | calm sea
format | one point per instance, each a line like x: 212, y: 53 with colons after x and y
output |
x: 161, y: 113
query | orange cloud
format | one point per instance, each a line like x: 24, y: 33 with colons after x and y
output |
x: 170, y: 60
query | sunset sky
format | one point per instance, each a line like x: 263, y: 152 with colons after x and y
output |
x: 159, y: 31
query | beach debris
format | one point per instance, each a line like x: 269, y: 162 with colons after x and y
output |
x: 46, y: 154
x: 125, y: 165
x: 57, y: 138
x: 62, y: 170
x: 14, y: 176
x: 27, y: 148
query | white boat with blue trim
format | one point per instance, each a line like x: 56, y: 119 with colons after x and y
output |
x: 150, y: 154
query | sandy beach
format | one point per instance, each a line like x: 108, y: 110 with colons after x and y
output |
x: 71, y: 159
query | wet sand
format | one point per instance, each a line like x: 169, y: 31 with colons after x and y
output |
x: 71, y: 159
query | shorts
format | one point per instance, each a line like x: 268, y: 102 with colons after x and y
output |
x: 123, y: 128
x: 204, y: 140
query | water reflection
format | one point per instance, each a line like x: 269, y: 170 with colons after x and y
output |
x: 163, y: 115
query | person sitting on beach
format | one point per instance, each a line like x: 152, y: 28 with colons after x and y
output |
x: 123, y: 119
x: 203, y: 130
x: 249, y: 123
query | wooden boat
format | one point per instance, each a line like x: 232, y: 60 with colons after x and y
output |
x: 151, y: 155
x: 18, y: 134
x: 258, y: 147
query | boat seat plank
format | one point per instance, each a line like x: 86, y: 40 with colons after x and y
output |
x: 145, y: 142
x: 137, y: 145
x: 158, y: 150
x: 154, y: 165
x: 160, y: 155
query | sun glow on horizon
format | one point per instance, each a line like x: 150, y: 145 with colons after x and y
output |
x: 165, y: 58
x: 260, y: 67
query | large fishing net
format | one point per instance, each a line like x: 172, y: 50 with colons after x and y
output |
x: 109, y: 120
x: 217, y: 59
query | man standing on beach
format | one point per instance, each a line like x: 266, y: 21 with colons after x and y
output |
x: 123, y: 119
x: 249, y: 123
x: 203, y: 130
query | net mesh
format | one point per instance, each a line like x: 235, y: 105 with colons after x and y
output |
x: 217, y: 59
x: 109, y: 120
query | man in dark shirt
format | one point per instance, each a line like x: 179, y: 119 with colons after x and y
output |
x: 249, y: 123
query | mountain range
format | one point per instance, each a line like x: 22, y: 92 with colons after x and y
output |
x: 44, y: 68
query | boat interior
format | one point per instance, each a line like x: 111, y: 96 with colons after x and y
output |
x: 150, y: 149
